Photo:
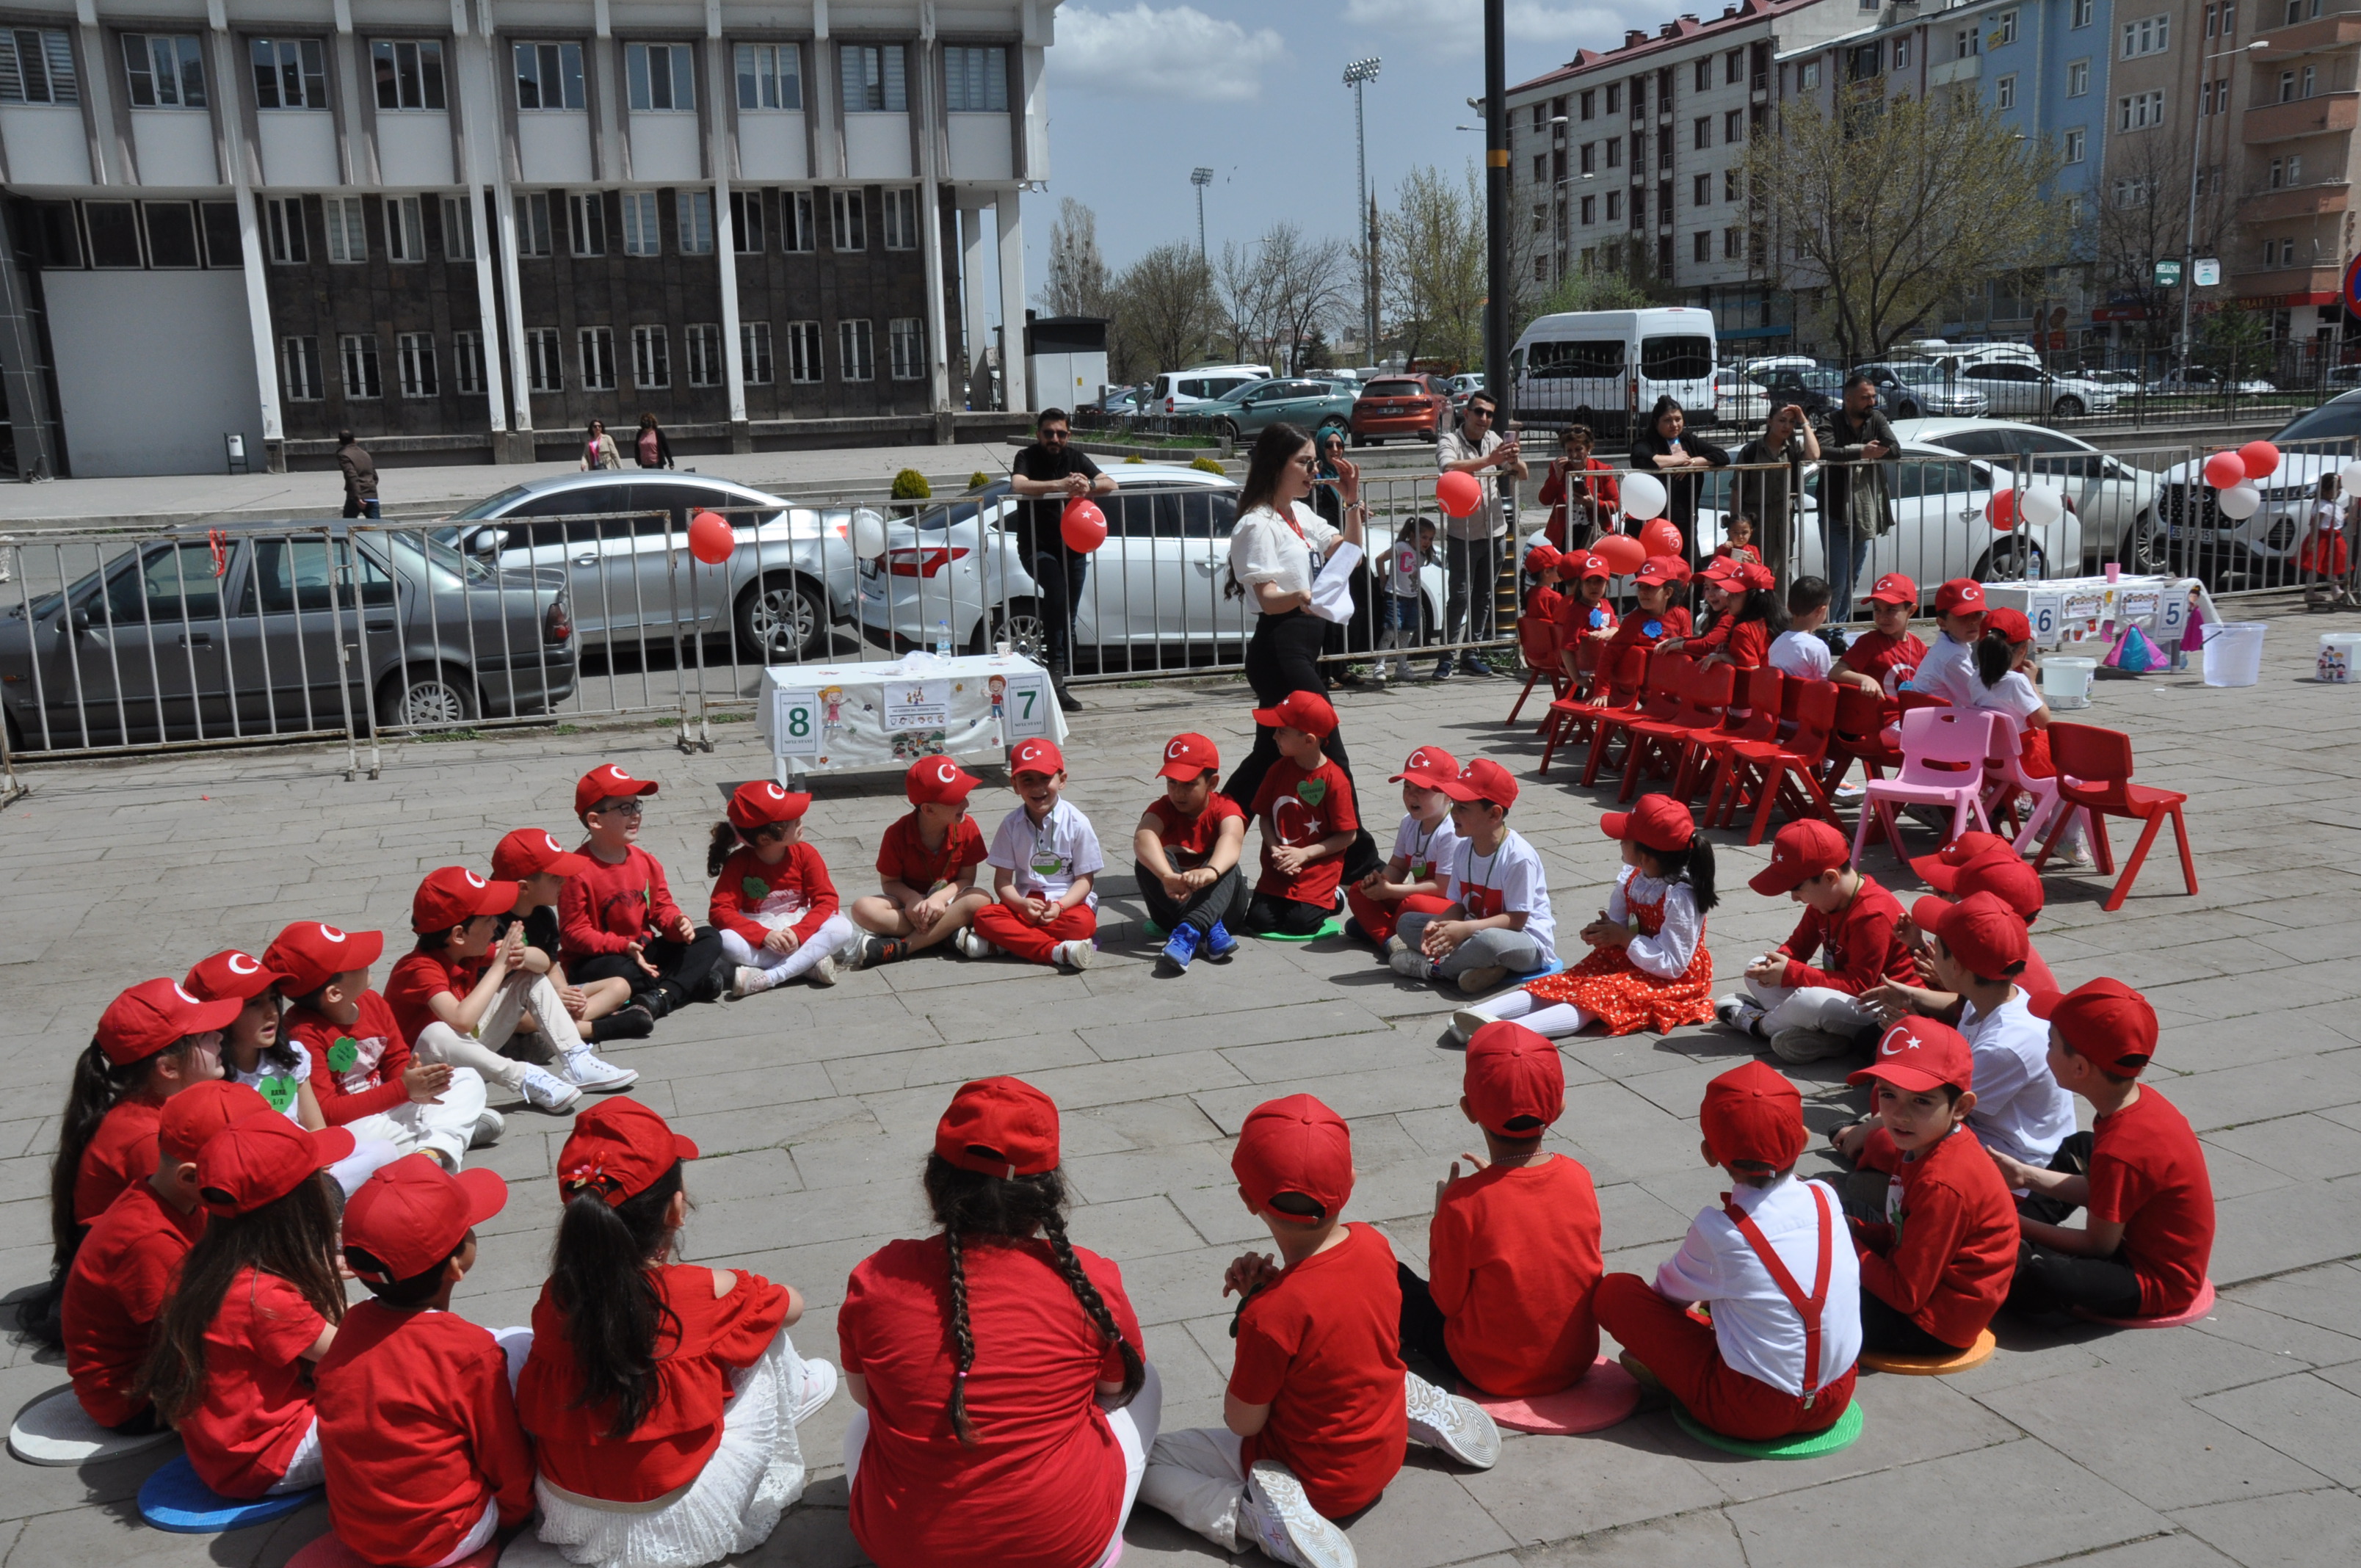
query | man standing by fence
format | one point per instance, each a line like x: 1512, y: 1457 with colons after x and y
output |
x: 1049, y: 473
x: 1472, y: 544
x: 1855, y: 504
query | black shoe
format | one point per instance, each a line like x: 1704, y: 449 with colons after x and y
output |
x: 883, y: 951
x: 655, y: 1003
x: 631, y: 1023
x: 1066, y: 700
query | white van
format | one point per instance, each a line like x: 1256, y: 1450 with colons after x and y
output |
x: 1175, y: 391
x: 1607, y: 368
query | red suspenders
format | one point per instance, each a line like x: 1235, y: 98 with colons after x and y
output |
x: 1809, y: 1309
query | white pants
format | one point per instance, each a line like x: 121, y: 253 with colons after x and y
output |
x: 834, y: 933
x: 368, y: 1154
x: 1199, y: 1477
x: 1550, y: 1020
x: 523, y: 991
x: 1134, y: 1429
x: 1821, y: 1007
x: 445, y: 1126
x: 305, y: 1468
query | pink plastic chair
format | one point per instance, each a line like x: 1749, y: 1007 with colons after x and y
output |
x: 1943, y: 754
x: 2005, y: 777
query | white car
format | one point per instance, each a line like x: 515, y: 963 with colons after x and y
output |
x: 1180, y: 392
x: 2206, y: 543
x: 1739, y: 399
x: 2196, y: 380
x: 2116, y: 501
x: 2013, y: 388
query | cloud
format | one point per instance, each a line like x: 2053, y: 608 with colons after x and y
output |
x: 1456, y: 28
x: 1176, y: 53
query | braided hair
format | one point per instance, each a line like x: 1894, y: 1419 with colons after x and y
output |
x: 970, y: 1206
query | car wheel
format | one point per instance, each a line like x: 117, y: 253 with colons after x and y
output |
x: 1019, y: 625
x: 1327, y: 428
x: 2068, y: 407
x: 2148, y: 551
x: 425, y: 697
x: 2006, y: 562
x: 1228, y: 431
x: 782, y: 620
x: 1911, y: 411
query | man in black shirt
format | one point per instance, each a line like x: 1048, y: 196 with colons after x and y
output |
x: 1049, y: 474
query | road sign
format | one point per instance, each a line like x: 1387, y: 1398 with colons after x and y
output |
x: 2167, y: 274
x: 2209, y: 272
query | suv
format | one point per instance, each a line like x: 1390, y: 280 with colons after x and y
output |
x: 1180, y: 392
x: 1413, y: 405
x: 1319, y: 407
x: 1912, y: 390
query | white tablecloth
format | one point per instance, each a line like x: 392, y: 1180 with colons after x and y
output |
x: 827, y: 718
x: 2076, y: 609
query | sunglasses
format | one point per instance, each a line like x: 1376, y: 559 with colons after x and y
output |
x: 1055, y: 432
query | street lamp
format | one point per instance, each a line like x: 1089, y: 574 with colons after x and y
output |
x: 1356, y: 75
x: 2189, y: 241
x: 1201, y: 178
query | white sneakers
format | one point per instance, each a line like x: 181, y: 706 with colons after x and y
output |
x: 824, y: 971
x: 970, y: 945
x: 489, y: 1125
x: 543, y: 1092
x: 1073, y: 955
x: 1458, y: 1427
x: 1286, y: 1526
x: 586, y: 1069
x: 813, y: 1390
x: 748, y: 980
x: 1466, y: 1021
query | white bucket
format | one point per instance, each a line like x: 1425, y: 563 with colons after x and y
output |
x: 2233, y: 653
x: 2066, y: 682
x: 2339, y: 652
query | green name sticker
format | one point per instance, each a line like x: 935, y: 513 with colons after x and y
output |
x: 280, y: 1092
x: 343, y: 1054
x: 1313, y: 791
x: 754, y: 887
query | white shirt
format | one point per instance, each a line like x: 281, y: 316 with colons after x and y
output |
x: 1801, y: 655
x: 1398, y: 570
x: 1430, y: 851
x: 1484, y: 523
x: 1757, y: 1333
x: 2015, y: 694
x: 265, y: 1068
x: 1263, y: 549
x: 1049, y: 857
x: 1948, y: 671
x: 1666, y: 954
x: 2020, y: 1109
x: 1509, y: 880
x: 2328, y: 517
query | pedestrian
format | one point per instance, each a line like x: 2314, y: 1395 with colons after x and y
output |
x: 653, y: 450
x: 1331, y: 508
x: 598, y: 448
x: 1668, y: 449
x: 360, y: 476
x: 1766, y: 493
x: 1049, y: 473
x: 1581, y: 506
x: 1472, y: 544
x: 1856, y: 502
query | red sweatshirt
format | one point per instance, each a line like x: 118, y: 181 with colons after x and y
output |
x: 606, y: 908
x: 1861, y: 952
x: 798, y: 886
x: 362, y: 1080
x: 1947, y: 1257
x: 1646, y: 631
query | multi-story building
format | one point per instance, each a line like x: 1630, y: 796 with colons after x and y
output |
x: 463, y: 230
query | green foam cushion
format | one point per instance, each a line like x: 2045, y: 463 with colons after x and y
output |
x: 1804, y: 1445
x: 1333, y: 927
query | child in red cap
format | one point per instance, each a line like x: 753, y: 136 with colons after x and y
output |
x: 1542, y: 600
x: 1496, y: 923
x: 1970, y: 864
x: 2005, y: 662
x: 1319, y: 1404
x: 1185, y: 853
x: 774, y: 902
x: 1948, y: 670
x: 618, y: 918
x: 1661, y: 586
x: 663, y: 1398
x: 1584, y: 615
x: 1309, y: 820
x: 418, y: 1427
x: 1774, y: 1266
x: 1648, y: 966
x: 926, y: 868
x: 1883, y: 659
x: 1742, y: 637
x: 2139, y: 1172
x: 1512, y: 1252
x: 541, y: 866
x: 1416, y: 880
x: 1936, y: 1266
x: 1045, y: 865
x: 1808, y: 1011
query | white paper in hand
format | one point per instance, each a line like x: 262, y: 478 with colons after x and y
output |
x: 1332, y: 591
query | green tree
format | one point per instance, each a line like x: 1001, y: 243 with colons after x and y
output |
x: 2235, y: 340
x: 1162, y: 308
x: 1434, y: 285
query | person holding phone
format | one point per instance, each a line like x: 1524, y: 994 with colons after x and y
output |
x: 1472, y: 544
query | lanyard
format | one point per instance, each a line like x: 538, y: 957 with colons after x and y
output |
x: 1808, y: 1308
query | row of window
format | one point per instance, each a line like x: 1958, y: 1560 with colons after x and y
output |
x: 1746, y: 63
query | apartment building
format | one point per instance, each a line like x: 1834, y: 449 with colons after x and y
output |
x: 463, y: 230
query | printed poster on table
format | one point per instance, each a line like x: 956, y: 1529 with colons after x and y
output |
x: 917, y: 704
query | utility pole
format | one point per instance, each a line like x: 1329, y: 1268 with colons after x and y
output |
x: 1201, y: 178
x: 1357, y: 75
x: 1495, y: 211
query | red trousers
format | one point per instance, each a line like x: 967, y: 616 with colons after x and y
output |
x: 1012, y: 933
x: 1680, y: 1352
x: 1378, y: 920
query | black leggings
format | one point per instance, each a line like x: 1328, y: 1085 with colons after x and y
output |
x: 2048, y: 1280
x: 1289, y: 917
x: 1883, y: 1327
x: 1421, y: 1327
x: 1284, y: 657
x: 695, y: 970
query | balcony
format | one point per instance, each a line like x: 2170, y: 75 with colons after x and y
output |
x: 2323, y: 35
x: 2296, y: 201
x: 2315, y: 116
x: 2287, y: 285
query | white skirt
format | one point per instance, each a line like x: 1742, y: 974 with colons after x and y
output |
x: 732, y: 1506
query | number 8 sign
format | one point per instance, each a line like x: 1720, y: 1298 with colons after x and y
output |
x: 795, y: 721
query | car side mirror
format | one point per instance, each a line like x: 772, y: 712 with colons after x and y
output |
x: 78, y: 620
x: 489, y: 541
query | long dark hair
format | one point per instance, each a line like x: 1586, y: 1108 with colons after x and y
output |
x: 1762, y: 605
x: 1274, y: 449
x: 614, y: 1313
x: 292, y: 1237
x: 1693, y: 865
x: 1995, y: 654
x: 98, y: 1086
x: 968, y: 1205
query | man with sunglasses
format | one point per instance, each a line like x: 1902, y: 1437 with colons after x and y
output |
x: 1049, y: 473
x: 1472, y: 544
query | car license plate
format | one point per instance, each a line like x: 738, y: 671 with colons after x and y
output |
x: 868, y: 567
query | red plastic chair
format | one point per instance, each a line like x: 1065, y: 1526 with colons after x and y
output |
x: 1944, y: 752
x: 1660, y: 745
x: 1780, y: 773
x: 1573, y: 720
x: 1589, y: 654
x: 1858, y: 737
x: 1537, y: 642
x: 2094, y: 773
x: 1660, y: 698
x: 1762, y: 693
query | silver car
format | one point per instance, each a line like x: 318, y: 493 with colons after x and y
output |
x: 2015, y: 390
x: 2116, y: 501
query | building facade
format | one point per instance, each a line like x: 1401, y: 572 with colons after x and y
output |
x: 463, y: 230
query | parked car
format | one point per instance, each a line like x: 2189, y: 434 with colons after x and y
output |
x: 1909, y: 389
x: 2342, y: 378
x: 1180, y: 392
x: 1816, y: 388
x: 1459, y: 389
x: 2122, y: 383
x: 1126, y: 400
x: 792, y: 574
x: 1739, y: 399
x: 1317, y: 406
x: 2196, y: 380
x: 2013, y: 388
x: 1394, y: 406
x: 2205, y: 541
x: 167, y: 641
x: 2116, y: 501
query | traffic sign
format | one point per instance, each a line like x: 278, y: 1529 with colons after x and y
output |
x: 2167, y: 274
x: 2209, y: 272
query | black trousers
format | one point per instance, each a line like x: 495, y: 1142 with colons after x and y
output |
x: 1471, y: 581
x: 2048, y: 1280
x: 1224, y: 902
x: 1267, y: 912
x: 1284, y: 656
x: 694, y: 970
x: 1421, y: 1327
x: 1884, y: 1328
x: 1060, y: 575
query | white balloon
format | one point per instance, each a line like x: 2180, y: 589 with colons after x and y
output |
x: 2239, y: 502
x: 2042, y: 505
x: 1644, y: 496
x: 868, y: 534
x: 2349, y: 475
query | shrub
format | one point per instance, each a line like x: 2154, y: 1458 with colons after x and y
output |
x: 1207, y: 465
x: 909, y: 485
x: 978, y: 479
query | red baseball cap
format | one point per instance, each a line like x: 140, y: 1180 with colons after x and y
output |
x: 938, y: 781
x: 2007, y: 878
x: 2104, y: 1020
x: 453, y: 895
x: 1803, y: 850
x: 1429, y: 767
x: 1036, y: 757
x: 310, y: 954
x: 1980, y: 931
x: 411, y: 1214
x: 530, y: 851
x: 619, y: 1148
x: 1513, y: 1075
x: 261, y: 1157
x: 999, y: 1126
x: 1940, y: 871
x: 192, y: 1116
x: 608, y: 782
x: 1960, y: 596
x: 156, y: 1015
x: 1186, y: 756
x: 1541, y: 558
x: 1920, y: 1054
x: 230, y: 975
x: 2010, y: 624
x: 1482, y: 779
x: 1587, y: 564
x: 1751, y: 1113
x: 1307, y: 711
x: 1754, y: 575
x: 1658, y: 570
x: 1659, y: 822
x: 1895, y: 587
x: 1295, y: 1145
x: 761, y: 803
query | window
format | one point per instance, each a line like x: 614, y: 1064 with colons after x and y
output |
x: 901, y: 219
x: 1615, y: 153
x: 1590, y: 101
x: 2139, y: 110
x: 1807, y: 75
x: 358, y: 351
x: 290, y: 73
x: 114, y: 235
x: 1590, y: 162
x: 37, y: 67
x: 2285, y: 172
x: 1733, y: 68
x: 414, y: 364
x: 165, y: 71
x: 597, y: 346
x: 853, y: 350
x: 468, y: 362
x: 2007, y: 28
x: 641, y: 235
x: 1590, y: 209
x: 976, y: 81
x: 2082, y: 12
x: 797, y: 231
x: 549, y: 76
x: 224, y: 246
x: 282, y: 229
x: 704, y: 354
x: 848, y: 214
x: 770, y: 76
x: 2286, y: 86
x: 543, y: 371
x: 1701, y: 192
x: 1967, y: 41
x: 299, y: 369
x: 2004, y: 91
x: 907, y: 343
x: 532, y: 223
x: 347, y: 238
x: 1731, y: 180
x: 1731, y: 244
x: 2077, y: 144
x: 459, y: 228
x: 663, y: 77
x: 1701, y: 132
x: 1614, y: 97
x: 802, y: 351
x: 405, y: 229
x: 1541, y: 174
x: 746, y: 222
x: 694, y: 210
x: 1902, y: 54
x: 1732, y: 126
x: 754, y: 348
x: 2078, y: 78
x: 873, y: 80
x: 585, y: 223
x: 172, y: 234
x: 409, y: 76
x: 1701, y: 246
x: 2149, y: 35
x: 1614, y: 206
x: 2310, y: 80
x: 1639, y: 97
x: 651, y: 358
x: 1664, y: 150
x: 1638, y: 207
x: 1702, y: 81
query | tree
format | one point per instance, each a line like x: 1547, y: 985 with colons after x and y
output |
x: 1891, y: 208
x: 1077, y: 280
x: 1308, y: 287
x: 1162, y: 310
x: 1243, y: 297
x: 1619, y: 279
x: 2235, y: 340
x: 2142, y: 218
x: 1434, y: 291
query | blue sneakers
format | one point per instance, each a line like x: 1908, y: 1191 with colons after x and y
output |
x: 1181, y: 945
x: 1219, y: 943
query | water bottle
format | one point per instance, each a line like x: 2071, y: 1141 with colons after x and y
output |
x: 942, y: 639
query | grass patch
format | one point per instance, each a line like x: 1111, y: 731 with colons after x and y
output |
x: 439, y: 737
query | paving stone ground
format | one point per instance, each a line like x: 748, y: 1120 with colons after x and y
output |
x: 2237, y: 1439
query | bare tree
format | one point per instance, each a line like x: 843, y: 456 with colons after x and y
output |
x: 2142, y: 218
x: 1077, y: 280
x: 1244, y: 295
x: 1434, y: 291
x: 1163, y: 309
x: 1308, y: 285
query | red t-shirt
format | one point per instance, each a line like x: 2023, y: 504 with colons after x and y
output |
x: 797, y: 889
x: 122, y: 1153
x: 1298, y: 809
x: 417, y: 1427
x: 1321, y: 1345
x: 1642, y: 630
x: 1577, y: 619
x: 1946, y: 1259
x: 701, y: 1340
x: 355, y: 1069
x: 1189, y: 840
x: 1749, y: 645
x: 257, y: 1402
x: 1859, y: 938
x: 609, y: 908
x: 115, y: 1293
x: 902, y: 855
x: 1892, y: 660
x: 418, y: 977
x: 1043, y: 1484
x: 2149, y: 1175
x: 1514, y: 1259
x: 1543, y: 603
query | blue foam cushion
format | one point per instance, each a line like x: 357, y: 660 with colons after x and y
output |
x: 174, y: 1499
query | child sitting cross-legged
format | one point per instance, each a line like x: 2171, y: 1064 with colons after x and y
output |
x: 540, y: 866
x: 1416, y: 880
x: 1496, y: 924
x: 774, y: 902
x: 926, y: 868
x: 1185, y: 853
x: 618, y: 916
x: 1808, y: 1011
x: 1045, y: 865
x: 1309, y: 820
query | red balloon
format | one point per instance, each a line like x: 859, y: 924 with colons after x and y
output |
x: 1622, y: 552
x: 2225, y: 469
x: 1662, y: 536
x: 1083, y: 525
x: 2002, y: 511
x: 2261, y: 458
x: 1458, y: 493
x: 709, y: 539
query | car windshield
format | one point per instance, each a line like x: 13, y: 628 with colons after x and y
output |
x: 935, y: 519
x: 2330, y: 421
x: 442, y: 567
x: 494, y: 507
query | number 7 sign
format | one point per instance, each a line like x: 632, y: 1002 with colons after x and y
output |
x: 1027, y: 705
